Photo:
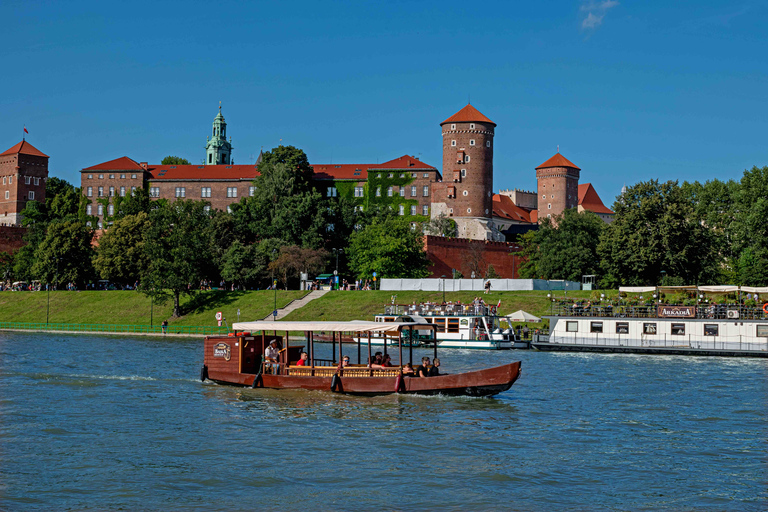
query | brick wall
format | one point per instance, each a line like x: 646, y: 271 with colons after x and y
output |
x: 11, y: 238
x: 14, y: 171
x: 558, y: 190
x: 220, y: 196
x: 465, y: 255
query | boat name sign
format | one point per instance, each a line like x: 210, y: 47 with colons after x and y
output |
x: 222, y: 350
x: 677, y: 311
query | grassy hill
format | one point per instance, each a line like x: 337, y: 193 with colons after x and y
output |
x: 133, y: 308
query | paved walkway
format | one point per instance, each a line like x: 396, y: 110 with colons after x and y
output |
x: 296, y: 304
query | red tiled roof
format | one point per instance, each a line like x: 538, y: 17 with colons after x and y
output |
x: 504, y: 207
x: 467, y: 115
x: 341, y: 171
x: 24, y: 148
x: 535, y: 216
x: 118, y: 164
x: 558, y: 161
x: 589, y: 200
x: 202, y: 172
x: 404, y: 162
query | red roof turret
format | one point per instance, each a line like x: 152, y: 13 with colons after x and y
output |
x: 25, y: 148
x: 468, y: 114
x: 558, y: 161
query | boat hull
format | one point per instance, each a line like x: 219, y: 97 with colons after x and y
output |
x: 486, y: 382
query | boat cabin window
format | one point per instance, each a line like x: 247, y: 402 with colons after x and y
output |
x: 762, y: 331
x: 453, y: 325
x: 389, y: 319
x: 678, y: 329
x: 710, y: 329
x: 595, y: 326
x: 572, y: 326
x: 649, y: 328
x: 440, y: 323
x: 622, y: 327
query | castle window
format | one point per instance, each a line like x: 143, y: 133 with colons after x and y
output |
x: 552, y: 196
x: 450, y: 210
x: 549, y: 206
x: 122, y: 176
x: 487, y: 143
x: 3, y: 180
x: 413, y: 209
x: 205, y: 192
x: 210, y: 158
x: 89, y: 209
x: 111, y: 209
x: 463, y: 173
x: 413, y: 175
x: 101, y: 191
x: 101, y: 176
x: 207, y: 208
x: 413, y: 190
x: 100, y: 209
x: 331, y: 192
x: 465, y: 193
x: 154, y: 192
x: 111, y: 191
x: 544, y: 196
x: 391, y: 175
x: 90, y: 177
x: 133, y: 189
x: 471, y: 142
x: 471, y: 126
x: 402, y: 175
x: 111, y: 176
x: 401, y: 210
x: 27, y: 180
x: 469, y: 210
x: 100, y: 225
x: 378, y: 191
x: 122, y: 191
x: 31, y: 195
x: 466, y: 159
x: 389, y: 192
x: 453, y: 127
x: 426, y: 175
x: 7, y: 194
x: 229, y: 209
x: 37, y: 181
x: 133, y: 176
x: 453, y: 143
x: 358, y: 191
x: 10, y: 180
x: 231, y: 191
x: 181, y: 192
x: 402, y: 191
x: 425, y: 210
x: 425, y: 191
x: 89, y: 192
x: 251, y: 191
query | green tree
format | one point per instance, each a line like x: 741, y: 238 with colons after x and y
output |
x: 654, y: 230
x: 530, y: 254
x: 441, y: 226
x: 241, y: 265
x: 295, y: 160
x: 120, y: 256
x: 750, y: 227
x: 177, y: 246
x: 65, y: 254
x: 174, y: 160
x: 293, y: 260
x: 390, y: 248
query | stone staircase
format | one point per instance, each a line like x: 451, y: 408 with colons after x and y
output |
x: 296, y: 304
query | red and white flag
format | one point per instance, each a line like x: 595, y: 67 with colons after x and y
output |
x: 25, y: 129
x: 499, y: 304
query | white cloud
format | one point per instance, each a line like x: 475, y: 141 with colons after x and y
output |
x: 595, y: 12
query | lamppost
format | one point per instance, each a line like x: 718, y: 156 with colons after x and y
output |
x: 274, y: 286
x: 336, y: 272
x: 443, y: 276
x: 663, y: 276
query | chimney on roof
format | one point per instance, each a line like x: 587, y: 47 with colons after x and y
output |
x: 144, y: 165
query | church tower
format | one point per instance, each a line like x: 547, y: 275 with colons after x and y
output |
x: 218, y: 150
x: 466, y: 193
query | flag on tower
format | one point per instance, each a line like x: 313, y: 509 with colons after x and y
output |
x: 25, y: 129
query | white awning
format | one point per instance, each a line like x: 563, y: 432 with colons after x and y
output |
x: 353, y: 326
x: 725, y: 288
x: 636, y: 289
x: 755, y: 289
x: 522, y: 316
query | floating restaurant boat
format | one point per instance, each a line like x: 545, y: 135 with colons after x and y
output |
x: 237, y: 359
x: 456, y: 325
x: 708, y: 329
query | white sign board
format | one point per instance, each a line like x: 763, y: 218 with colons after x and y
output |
x: 219, y: 316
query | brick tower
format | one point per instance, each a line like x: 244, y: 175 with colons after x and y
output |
x: 558, y: 186
x: 23, y: 173
x: 466, y: 193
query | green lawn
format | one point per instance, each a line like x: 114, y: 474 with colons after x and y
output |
x: 133, y: 308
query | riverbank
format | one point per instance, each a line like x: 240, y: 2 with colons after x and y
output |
x: 99, y: 311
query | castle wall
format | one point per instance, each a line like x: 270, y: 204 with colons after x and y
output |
x: 446, y: 254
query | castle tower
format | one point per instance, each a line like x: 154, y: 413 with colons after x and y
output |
x: 558, y: 186
x: 23, y: 174
x: 218, y: 150
x: 466, y: 194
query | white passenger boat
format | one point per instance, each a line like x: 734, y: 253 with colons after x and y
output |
x: 457, y: 326
x: 723, y: 329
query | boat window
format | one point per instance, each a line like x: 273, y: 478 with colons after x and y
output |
x: 595, y: 326
x: 572, y: 326
x: 453, y: 325
x: 389, y: 319
x: 622, y: 327
x: 440, y: 323
x: 678, y: 329
x: 762, y: 331
x: 649, y: 328
x: 710, y: 329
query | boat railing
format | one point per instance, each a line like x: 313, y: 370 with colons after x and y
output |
x: 347, y: 371
x: 440, y: 310
x: 701, y: 312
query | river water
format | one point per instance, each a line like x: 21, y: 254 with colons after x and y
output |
x: 123, y: 423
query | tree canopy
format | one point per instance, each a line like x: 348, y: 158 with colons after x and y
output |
x: 390, y: 248
x: 174, y: 160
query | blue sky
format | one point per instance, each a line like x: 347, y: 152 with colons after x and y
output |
x: 630, y: 91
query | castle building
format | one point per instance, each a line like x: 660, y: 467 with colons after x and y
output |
x: 24, y: 172
x: 466, y: 192
x: 218, y: 151
x: 558, y: 186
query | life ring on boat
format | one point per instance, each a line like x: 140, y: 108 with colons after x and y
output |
x: 245, y: 334
x: 335, y: 382
x: 203, y: 373
x: 399, y: 383
x: 765, y: 308
x: 232, y: 334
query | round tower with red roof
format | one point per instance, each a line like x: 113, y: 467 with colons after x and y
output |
x: 467, y: 189
x: 558, y: 186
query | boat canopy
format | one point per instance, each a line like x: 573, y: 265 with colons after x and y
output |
x: 755, y: 289
x: 353, y: 326
x: 637, y: 289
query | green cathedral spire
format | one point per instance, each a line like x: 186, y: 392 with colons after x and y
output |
x: 218, y: 150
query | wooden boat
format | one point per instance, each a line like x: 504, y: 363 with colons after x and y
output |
x: 237, y: 359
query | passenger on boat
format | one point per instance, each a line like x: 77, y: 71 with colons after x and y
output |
x: 386, y: 361
x: 375, y: 361
x: 303, y: 360
x: 423, y: 369
x: 271, y: 355
x: 434, y: 369
x: 408, y: 370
